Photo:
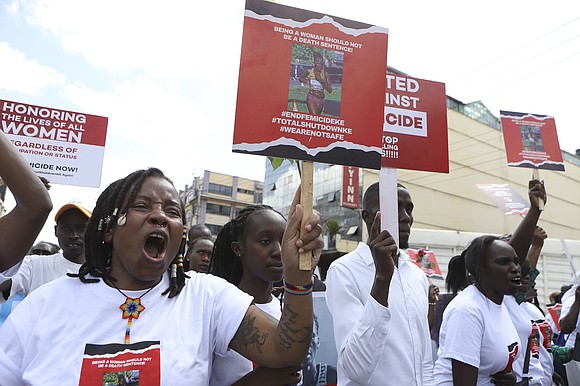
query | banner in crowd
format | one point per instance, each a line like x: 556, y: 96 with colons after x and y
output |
x: 65, y: 147
x: 427, y: 261
x: 505, y: 198
x: 311, y: 86
x: 531, y: 141
x: 415, y: 125
x: 554, y: 312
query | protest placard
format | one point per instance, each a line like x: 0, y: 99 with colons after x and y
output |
x: 505, y: 198
x: 311, y: 86
x: 63, y: 146
x: 415, y: 125
x: 427, y: 261
x: 531, y: 141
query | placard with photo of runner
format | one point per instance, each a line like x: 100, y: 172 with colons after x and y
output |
x: 311, y: 86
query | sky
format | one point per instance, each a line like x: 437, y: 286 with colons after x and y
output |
x: 165, y: 73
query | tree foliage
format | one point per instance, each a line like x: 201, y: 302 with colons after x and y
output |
x: 333, y: 228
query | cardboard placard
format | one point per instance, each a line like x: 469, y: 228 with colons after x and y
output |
x: 415, y: 125
x: 427, y: 261
x: 505, y: 198
x: 289, y: 108
x: 531, y: 141
x: 65, y: 147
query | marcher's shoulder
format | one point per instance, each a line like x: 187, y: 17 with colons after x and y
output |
x: 466, y: 302
x: 41, y: 260
x: 207, y: 283
x: 347, y: 262
x: 64, y: 282
x: 55, y: 288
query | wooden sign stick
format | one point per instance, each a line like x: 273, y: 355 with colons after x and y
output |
x: 306, y: 193
x: 536, y: 176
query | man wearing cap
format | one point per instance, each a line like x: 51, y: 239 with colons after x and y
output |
x: 34, y: 271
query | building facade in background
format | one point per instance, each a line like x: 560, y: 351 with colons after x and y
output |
x: 450, y: 210
x: 214, y: 199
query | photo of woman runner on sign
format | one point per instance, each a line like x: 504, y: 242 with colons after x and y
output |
x: 318, y: 81
x: 315, y: 82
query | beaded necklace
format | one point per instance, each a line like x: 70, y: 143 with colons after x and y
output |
x: 131, y: 309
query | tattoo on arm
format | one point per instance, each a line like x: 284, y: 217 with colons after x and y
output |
x: 289, y: 332
x: 248, y: 336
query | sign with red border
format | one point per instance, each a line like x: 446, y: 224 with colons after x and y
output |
x: 63, y: 146
x: 427, y: 261
x: 310, y: 86
x: 415, y: 125
x: 531, y: 141
x: 555, y: 311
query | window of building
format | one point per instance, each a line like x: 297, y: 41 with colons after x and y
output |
x: 217, y: 209
x: 352, y: 231
x: 215, y: 229
x: 331, y: 197
x: 220, y: 189
x: 245, y: 191
x: 190, y: 197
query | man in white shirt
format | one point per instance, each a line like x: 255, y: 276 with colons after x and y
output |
x: 379, y: 304
x: 36, y: 270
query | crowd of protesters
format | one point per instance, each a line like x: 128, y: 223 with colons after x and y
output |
x: 130, y: 294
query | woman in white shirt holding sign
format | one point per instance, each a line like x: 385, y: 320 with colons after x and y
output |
x: 478, y: 341
x: 127, y: 313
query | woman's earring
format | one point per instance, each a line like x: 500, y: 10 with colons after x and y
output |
x: 122, y: 220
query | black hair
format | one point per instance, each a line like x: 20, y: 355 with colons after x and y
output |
x: 114, y: 201
x: 225, y: 263
x: 372, y: 194
x: 196, y: 231
x: 192, y: 242
x: 456, y: 279
x: 475, y: 254
x: 316, y: 54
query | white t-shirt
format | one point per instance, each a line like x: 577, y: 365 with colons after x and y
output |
x: 478, y: 332
x: 232, y: 366
x: 43, y: 340
x: 529, y: 321
x: 567, y: 302
x: 36, y: 270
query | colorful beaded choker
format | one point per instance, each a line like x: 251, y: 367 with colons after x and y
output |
x: 131, y: 309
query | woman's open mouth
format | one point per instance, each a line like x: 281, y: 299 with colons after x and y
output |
x: 155, y: 245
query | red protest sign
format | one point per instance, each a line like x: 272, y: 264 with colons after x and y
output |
x: 415, y: 125
x: 310, y: 86
x: 531, y: 141
x: 63, y: 146
x: 555, y: 314
x: 427, y: 261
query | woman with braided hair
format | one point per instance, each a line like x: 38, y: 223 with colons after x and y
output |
x: 478, y: 341
x: 247, y: 253
x: 125, y: 309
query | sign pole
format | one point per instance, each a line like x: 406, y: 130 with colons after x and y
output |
x: 306, y: 194
x: 536, y: 176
